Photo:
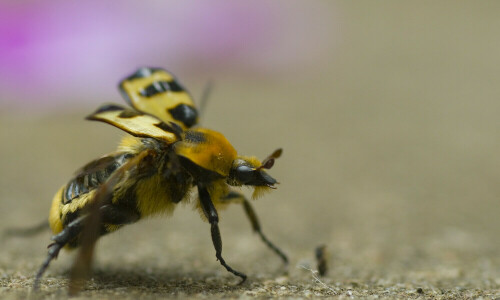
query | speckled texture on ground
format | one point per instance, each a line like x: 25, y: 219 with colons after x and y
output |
x: 390, y: 159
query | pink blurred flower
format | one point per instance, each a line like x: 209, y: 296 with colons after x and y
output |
x: 66, y: 51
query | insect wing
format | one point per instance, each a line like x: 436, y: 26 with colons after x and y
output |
x: 137, y: 123
x: 97, y: 165
x: 157, y: 92
x: 81, y: 268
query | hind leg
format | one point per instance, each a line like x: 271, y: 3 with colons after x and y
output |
x: 109, y: 215
x: 69, y: 233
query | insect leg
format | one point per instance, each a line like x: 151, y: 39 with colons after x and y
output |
x: 116, y: 215
x: 109, y: 214
x: 69, y: 233
x: 237, y: 197
x: 211, y: 214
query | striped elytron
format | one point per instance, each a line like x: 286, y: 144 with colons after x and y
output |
x: 155, y: 168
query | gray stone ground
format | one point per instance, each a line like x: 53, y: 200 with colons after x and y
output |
x: 391, y: 160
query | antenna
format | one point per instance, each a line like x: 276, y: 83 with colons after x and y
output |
x: 207, y: 90
x: 268, y: 163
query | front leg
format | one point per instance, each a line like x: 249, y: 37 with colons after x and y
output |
x: 211, y: 214
x: 237, y: 197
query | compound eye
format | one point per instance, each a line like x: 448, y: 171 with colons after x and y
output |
x: 244, y: 174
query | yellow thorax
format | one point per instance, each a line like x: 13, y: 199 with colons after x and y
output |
x: 208, y: 149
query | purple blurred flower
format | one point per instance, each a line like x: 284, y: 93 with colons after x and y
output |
x: 62, y: 50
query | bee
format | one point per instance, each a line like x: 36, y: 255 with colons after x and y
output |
x: 156, y: 166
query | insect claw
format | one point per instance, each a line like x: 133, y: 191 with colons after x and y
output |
x: 243, y: 279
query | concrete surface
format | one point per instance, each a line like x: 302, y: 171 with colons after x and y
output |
x: 390, y: 159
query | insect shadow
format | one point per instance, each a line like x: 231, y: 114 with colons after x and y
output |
x: 165, y: 280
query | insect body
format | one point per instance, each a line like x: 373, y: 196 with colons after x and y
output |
x: 155, y: 167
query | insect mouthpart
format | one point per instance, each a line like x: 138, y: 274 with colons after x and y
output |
x: 268, y: 163
x: 265, y: 179
x: 250, y: 171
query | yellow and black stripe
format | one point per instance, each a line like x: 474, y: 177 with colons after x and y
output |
x: 137, y: 123
x: 157, y: 92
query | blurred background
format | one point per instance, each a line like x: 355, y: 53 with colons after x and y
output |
x: 388, y: 114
